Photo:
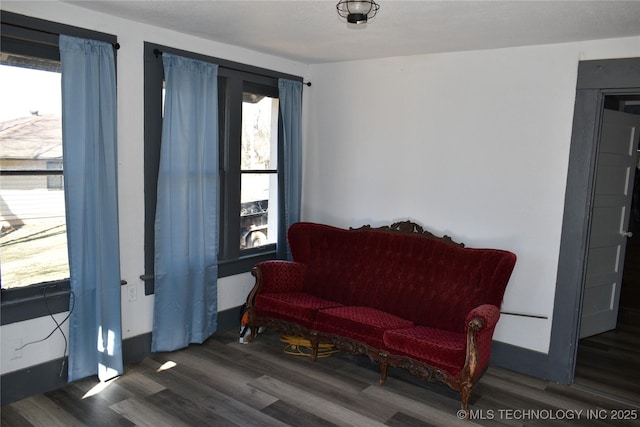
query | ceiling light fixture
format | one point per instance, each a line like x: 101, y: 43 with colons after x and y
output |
x: 357, y: 11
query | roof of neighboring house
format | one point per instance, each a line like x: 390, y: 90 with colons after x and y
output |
x: 33, y: 137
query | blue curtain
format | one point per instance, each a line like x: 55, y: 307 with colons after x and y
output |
x: 186, y: 227
x: 290, y: 94
x: 91, y: 197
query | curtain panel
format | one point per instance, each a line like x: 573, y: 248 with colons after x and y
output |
x: 91, y: 198
x: 186, y: 225
x: 290, y: 94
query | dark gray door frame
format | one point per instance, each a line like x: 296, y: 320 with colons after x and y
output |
x: 596, y: 79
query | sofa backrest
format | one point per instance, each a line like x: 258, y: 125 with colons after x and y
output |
x: 428, y: 281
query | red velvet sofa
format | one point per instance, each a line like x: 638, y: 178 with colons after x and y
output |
x: 399, y: 294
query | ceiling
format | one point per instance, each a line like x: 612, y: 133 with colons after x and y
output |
x: 311, y: 31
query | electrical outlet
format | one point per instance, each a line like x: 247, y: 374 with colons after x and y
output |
x: 132, y: 292
x: 16, y: 345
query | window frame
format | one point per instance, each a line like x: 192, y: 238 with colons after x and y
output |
x: 230, y: 97
x: 233, y: 77
x: 38, y: 38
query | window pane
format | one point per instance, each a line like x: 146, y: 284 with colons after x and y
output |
x: 259, y: 132
x: 33, y: 240
x: 259, y: 153
x: 259, y: 197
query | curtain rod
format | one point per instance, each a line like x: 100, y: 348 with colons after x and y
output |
x: 157, y: 52
x: 50, y: 41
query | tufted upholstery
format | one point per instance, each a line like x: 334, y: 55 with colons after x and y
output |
x: 430, y: 282
x: 296, y: 307
x: 363, y: 324
x: 443, y: 349
x: 280, y: 276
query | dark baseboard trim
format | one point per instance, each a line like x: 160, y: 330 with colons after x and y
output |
x: 33, y: 380
x: 46, y: 377
x: 135, y: 349
x: 229, y: 319
x: 524, y: 361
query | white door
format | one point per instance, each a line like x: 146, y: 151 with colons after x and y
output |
x: 617, y: 160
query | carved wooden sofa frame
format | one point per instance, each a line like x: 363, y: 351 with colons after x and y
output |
x: 463, y: 384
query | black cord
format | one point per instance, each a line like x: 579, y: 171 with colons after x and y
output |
x: 58, y: 325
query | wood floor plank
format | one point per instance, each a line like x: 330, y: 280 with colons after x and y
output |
x: 40, y: 411
x: 9, y: 416
x: 294, y: 416
x: 139, y: 385
x: 404, y: 420
x: 187, y: 410
x: 235, y: 406
x: 431, y: 408
x: 109, y: 392
x: 145, y: 414
x: 541, y: 397
x: 223, y: 375
x: 313, y: 404
x: 494, y: 371
x: 610, y: 362
x: 314, y: 380
x: 90, y: 411
x: 187, y: 379
x: 274, y: 361
x: 611, y: 389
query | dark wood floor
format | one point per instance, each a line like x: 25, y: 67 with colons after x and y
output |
x: 225, y: 383
x: 610, y: 362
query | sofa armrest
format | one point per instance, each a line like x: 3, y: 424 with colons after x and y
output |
x: 487, y: 313
x: 276, y: 276
x: 481, y: 322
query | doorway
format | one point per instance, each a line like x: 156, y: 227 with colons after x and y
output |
x: 596, y: 80
x: 609, y: 362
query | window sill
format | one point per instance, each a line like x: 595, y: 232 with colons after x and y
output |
x: 31, y: 302
x: 244, y: 263
x: 35, y: 301
x: 240, y: 265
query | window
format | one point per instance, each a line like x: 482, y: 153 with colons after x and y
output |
x: 249, y: 147
x: 33, y: 252
x: 258, y: 171
x: 33, y: 238
x: 250, y: 144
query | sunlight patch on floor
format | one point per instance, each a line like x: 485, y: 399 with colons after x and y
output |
x: 167, y: 365
x: 100, y: 387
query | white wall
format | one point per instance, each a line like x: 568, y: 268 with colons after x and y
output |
x: 471, y: 144
x: 136, y: 316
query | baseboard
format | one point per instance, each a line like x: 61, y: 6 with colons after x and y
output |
x: 522, y: 360
x: 48, y: 376
x: 229, y: 319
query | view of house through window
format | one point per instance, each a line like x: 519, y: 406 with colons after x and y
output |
x: 33, y: 242
x: 259, y: 171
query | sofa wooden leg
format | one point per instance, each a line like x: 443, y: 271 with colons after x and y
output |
x: 314, y: 347
x: 384, y: 367
x: 253, y: 332
x: 465, y: 395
